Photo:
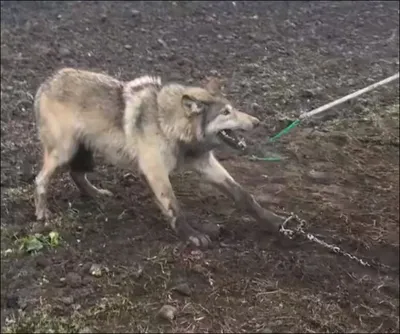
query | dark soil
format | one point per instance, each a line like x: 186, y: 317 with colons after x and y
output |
x: 340, y: 172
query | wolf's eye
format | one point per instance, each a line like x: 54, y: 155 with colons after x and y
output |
x: 226, y: 111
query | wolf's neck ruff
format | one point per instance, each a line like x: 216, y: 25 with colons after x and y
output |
x: 133, y: 93
x: 142, y: 82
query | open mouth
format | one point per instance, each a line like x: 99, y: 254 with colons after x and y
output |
x: 229, y: 137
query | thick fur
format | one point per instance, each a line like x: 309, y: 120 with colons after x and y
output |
x: 142, y: 123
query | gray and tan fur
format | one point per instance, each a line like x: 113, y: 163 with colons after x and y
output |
x: 142, y: 123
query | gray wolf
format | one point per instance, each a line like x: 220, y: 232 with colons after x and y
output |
x: 145, y: 124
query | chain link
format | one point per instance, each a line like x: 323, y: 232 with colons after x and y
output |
x: 299, y: 230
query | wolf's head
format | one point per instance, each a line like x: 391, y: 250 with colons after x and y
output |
x: 216, y: 117
x: 205, y: 114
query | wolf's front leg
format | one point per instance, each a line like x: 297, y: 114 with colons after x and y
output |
x: 158, y: 179
x: 217, y: 175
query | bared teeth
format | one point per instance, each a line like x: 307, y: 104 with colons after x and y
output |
x: 228, y: 136
x: 239, y: 143
x: 242, y: 143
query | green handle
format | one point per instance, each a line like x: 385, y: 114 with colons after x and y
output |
x: 285, y: 130
x: 272, y: 139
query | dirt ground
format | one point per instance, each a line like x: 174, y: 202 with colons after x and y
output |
x: 339, y: 172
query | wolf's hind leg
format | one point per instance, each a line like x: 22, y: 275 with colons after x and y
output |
x: 81, y: 163
x: 52, y: 159
x: 84, y: 185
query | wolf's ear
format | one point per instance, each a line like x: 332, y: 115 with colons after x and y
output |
x: 192, y: 106
x: 214, y: 85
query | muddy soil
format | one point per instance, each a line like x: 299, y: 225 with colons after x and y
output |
x: 117, y: 262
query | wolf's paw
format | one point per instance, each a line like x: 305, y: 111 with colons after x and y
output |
x: 210, y: 229
x: 43, y: 214
x: 196, y: 238
x: 200, y: 240
x: 105, y: 192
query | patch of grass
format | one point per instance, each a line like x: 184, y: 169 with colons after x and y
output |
x: 36, y: 242
x: 23, y: 192
x: 42, y: 321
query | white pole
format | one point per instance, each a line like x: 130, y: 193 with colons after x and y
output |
x: 348, y: 97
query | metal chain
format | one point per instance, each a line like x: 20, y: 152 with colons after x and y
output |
x: 299, y: 230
